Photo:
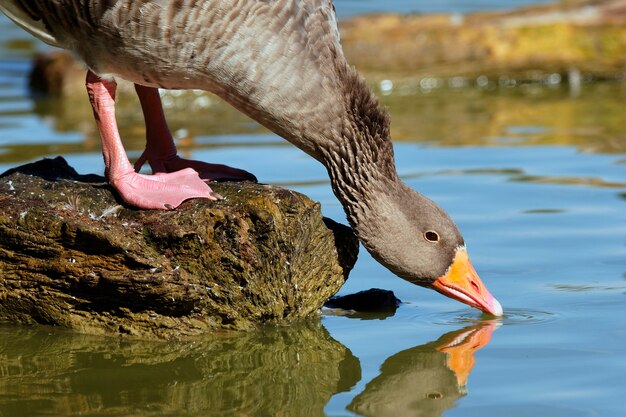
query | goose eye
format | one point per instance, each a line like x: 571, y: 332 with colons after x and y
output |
x: 431, y: 236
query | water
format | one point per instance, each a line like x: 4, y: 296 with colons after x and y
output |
x: 536, y: 180
x: 352, y: 7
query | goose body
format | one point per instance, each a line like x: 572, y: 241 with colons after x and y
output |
x: 286, y: 80
x: 281, y: 63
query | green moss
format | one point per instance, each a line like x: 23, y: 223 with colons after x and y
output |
x: 261, y: 255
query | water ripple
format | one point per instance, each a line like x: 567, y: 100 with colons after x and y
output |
x: 512, y: 316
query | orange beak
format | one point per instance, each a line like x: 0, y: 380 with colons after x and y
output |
x: 462, y: 283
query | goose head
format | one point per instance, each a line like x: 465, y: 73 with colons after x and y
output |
x: 418, y: 241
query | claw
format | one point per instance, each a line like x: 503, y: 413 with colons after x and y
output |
x: 216, y: 195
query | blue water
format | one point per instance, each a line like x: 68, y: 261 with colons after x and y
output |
x: 353, y: 7
x: 535, y: 180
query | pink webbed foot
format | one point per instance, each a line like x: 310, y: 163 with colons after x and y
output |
x: 161, y: 191
x: 161, y: 152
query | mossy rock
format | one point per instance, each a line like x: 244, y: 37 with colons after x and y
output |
x: 71, y: 255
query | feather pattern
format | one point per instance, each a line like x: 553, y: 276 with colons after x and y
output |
x: 280, y: 62
x: 23, y: 14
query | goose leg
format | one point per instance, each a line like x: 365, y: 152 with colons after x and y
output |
x: 160, y: 191
x: 160, y: 149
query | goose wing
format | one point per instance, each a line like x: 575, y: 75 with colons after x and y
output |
x: 27, y: 19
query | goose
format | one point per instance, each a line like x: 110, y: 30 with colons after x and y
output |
x: 281, y: 63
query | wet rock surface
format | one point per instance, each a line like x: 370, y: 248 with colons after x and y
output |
x: 72, y: 256
x: 372, y: 300
x: 372, y: 304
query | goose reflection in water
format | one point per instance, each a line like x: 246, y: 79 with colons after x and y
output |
x: 425, y: 380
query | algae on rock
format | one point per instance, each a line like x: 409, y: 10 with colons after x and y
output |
x: 71, y: 255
